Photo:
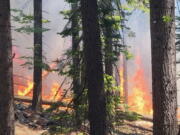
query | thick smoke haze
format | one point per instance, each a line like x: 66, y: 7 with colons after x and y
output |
x: 140, y: 45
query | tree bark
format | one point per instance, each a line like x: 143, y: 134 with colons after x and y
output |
x: 76, y: 64
x: 94, y: 67
x: 37, y: 74
x: 108, y: 51
x: 6, y: 71
x: 163, y: 67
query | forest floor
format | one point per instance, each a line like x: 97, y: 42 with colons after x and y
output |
x: 139, y: 127
x: 28, y: 123
x: 129, y: 128
x: 21, y: 129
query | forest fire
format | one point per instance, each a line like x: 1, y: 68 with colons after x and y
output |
x: 139, y: 98
x: 24, y: 85
x: 25, y: 91
x: 53, y: 95
x: 121, y: 82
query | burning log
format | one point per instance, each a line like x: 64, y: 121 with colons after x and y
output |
x: 44, y: 102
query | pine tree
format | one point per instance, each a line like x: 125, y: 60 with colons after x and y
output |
x: 163, y: 66
x: 108, y: 33
x: 6, y: 71
x: 76, y: 63
x: 37, y: 74
x: 94, y: 67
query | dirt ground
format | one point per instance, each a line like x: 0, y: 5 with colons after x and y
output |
x: 139, y: 127
x: 24, y: 130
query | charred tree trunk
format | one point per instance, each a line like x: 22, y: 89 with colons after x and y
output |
x: 76, y: 64
x: 6, y: 71
x: 94, y: 67
x: 163, y: 67
x: 37, y: 75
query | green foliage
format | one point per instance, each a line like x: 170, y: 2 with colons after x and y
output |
x: 142, y: 5
x: 72, y: 1
x: 66, y: 13
x: 29, y: 63
x: 116, y: 116
x: 112, y: 22
x: 112, y: 99
x: 26, y: 22
x: 29, y: 29
x: 167, y: 19
x: 113, y: 18
x: 64, y: 123
x: 127, y: 54
x: 66, y: 32
x: 45, y: 21
x: 22, y: 18
x: 125, y: 115
x: 131, y: 34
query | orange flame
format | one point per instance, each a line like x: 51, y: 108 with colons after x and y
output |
x: 121, y: 74
x: 55, y: 92
x: 140, y: 98
x: 24, y: 91
x: 24, y: 86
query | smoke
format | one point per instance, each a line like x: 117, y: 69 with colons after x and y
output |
x: 139, y: 45
x: 53, y: 44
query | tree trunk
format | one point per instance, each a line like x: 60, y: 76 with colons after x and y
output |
x: 76, y: 64
x: 108, y: 35
x: 163, y: 67
x: 6, y: 71
x: 108, y: 51
x: 94, y: 67
x: 37, y: 74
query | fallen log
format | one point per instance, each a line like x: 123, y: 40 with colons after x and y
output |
x: 44, y: 102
